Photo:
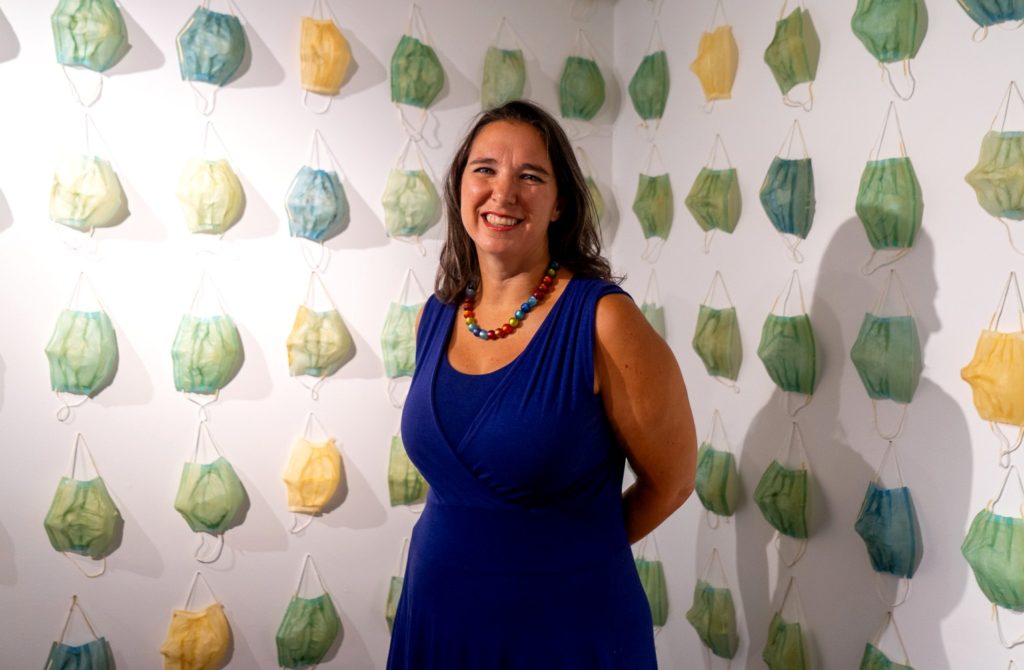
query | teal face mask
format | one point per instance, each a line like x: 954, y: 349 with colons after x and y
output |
x: 580, y: 89
x: 316, y: 204
x: 784, y: 649
x: 398, y: 340
x: 787, y: 195
x: 887, y: 355
x: 991, y: 12
x: 781, y: 495
x: 717, y: 481
x: 653, y: 205
x: 207, y: 353
x: 652, y: 578
x: 713, y: 616
x: 86, y: 194
x: 887, y: 523
x: 417, y: 75
x: 787, y: 350
x: 504, y: 77
x: 411, y: 203
x: 88, y: 33
x: 94, y: 655
x: 994, y: 548
x: 307, y: 631
x: 82, y: 352
x: 210, y: 496
x: 211, y: 47
x: 648, y: 89
x: 874, y: 659
x: 892, y: 30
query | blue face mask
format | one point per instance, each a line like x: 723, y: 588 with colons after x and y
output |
x: 888, y: 525
x: 89, y: 33
x: 211, y: 47
x: 93, y: 655
x: 317, y: 206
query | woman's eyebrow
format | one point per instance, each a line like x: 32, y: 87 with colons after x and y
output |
x: 485, y: 160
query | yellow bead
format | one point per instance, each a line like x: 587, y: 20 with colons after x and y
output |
x: 514, y: 322
x: 470, y: 321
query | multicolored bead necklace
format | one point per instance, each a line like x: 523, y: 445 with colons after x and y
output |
x: 507, y: 329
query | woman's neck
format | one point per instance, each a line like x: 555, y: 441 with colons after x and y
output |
x: 508, y: 285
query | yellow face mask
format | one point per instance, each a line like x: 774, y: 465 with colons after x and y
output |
x: 715, y: 64
x: 211, y: 196
x: 324, y: 56
x: 319, y: 343
x: 312, y: 475
x: 196, y: 639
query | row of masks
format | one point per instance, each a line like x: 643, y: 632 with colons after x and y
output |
x: 713, y: 614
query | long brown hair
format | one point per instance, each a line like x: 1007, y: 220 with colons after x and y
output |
x: 574, y: 240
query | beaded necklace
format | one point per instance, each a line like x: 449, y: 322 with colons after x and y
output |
x: 516, y: 320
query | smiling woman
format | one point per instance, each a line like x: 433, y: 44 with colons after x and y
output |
x: 522, y: 426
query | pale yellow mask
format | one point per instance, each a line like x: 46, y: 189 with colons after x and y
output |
x: 715, y: 64
x: 86, y: 193
x: 312, y: 475
x: 196, y: 639
x: 210, y: 195
x: 324, y: 56
x: 319, y: 343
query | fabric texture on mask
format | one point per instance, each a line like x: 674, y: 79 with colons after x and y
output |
x: 88, y: 33
x: 713, y: 616
x: 504, y: 77
x: 998, y: 177
x: 319, y: 343
x: 784, y: 649
x: 324, y: 56
x: 391, y: 606
x: 781, y: 495
x: 211, y: 47
x: 82, y: 352
x: 653, y: 205
x: 398, y: 340
x: 312, y: 475
x: 990, y: 12
x: 887, y: 522
x: 717, y: 480
x: 406, y: 486
x: 316, y: 204
x: 211, y: 196
x: 417, y: 75
x: 787, y: 350
x: 580, y: 89
x: 86, y: 194
x: 307, y: 631
x: 207, y: 353
x: 655, y: 315
x: 210, y: 496
x: 94, y: 655
x: 875, y: 659
x: 994, y: 548
x: 411, y: 203
x: 714, y: 199
x: 996, y: 376
x: 889, y: 203
x: 648, y: 89
x: 83, y: 518
x: 652, y: 578
x: 716, y: 62
x: 892, y: 30
x: 716, y: 340
x: 794, y: 51
x: 787, y: 195
x: 887, y: 356
x: 196, y: 640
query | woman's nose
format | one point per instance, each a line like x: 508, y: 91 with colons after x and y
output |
x: 506, y: 190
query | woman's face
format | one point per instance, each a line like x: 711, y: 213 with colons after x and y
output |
x: 508, y: 194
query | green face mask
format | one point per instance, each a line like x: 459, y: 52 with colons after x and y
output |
x: 210, y: 495
x: 788, y: 352
x: 784, y: 649
x: 394, y: 595
x: 652, y: 578
x: 417, y: 75
x: 406, y: 486
x: 714, y: 199
x: 717, y: 481
x: 889, y: 203
x: 713, y: 616
x: 892, y: 30
x: 86, y: 194
x: 648, y: 89
x: 83, y: 518
x: 781, y: 495
x: 655, y: 315
x: 319, y: 343
x: 990, y: 12
x: 874, y: 659
x: 596, y: 198
x: 581, y: 89
x: 787, y: 195
x: 411, y: 203
x: 793, y: 53
x: 887, y: 355
x: 398, y: 340
x: 307, y: 631
x: 504, y: 77
x: 653, y: 205
x: 717, y: 341
x: 998, y: 178
x: 88, y: 33
x: 82, y: 352
x: 994, y: 548
x: 207, y: 353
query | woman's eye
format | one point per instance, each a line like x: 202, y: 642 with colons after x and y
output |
x: 531, y: 177
x: 483, y: 170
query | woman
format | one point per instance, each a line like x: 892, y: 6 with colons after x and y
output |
x: 536, y: 378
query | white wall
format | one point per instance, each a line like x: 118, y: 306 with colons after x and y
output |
x: 953, y: 276
x: 139, y: 430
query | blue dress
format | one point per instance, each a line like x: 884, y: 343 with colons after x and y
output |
x: 520, y: 559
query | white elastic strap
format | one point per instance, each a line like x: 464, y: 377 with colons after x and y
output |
x: 503, y: 25
x: 890, y: 450
x: 204, y: 105
x: 411, y: 280
x: 709, y: 236
x: 584, y: 161
x: 792, y: 586
x: 794, y: 278
x: 791, y: 246
x: 655, y: 43
x: 887, y: 75
x: 318, y: 142
x: 652, y: 250
x: 209, y: 557
x: 877, y: 149
x: 884, y: 295
x: 999, y: 627
x: 787, y: 403
x: 92, y: 129
x: 298, y: 527
x: 403, y: 555
x: 392, y: 389
x: 708, y: 106
x: 314, y: 389
x: 782, y: 12
x: 795, y: 130
x: 716, y: 279
x: 583, y: 48
x: 642, y: 552
x: 997, y: 316
x: 64, y: 411
x: 801, y: 550
x: 324, y: 110
x: 205, y: 280
x: 717, y: 142
x: 718, y: 427
x: 80, y: 445
x: 76, y: 562
x: 713, y: 559
x: 796, y: 437
x: 307, y: 433
x: 67, y: 619
x: 991, y: 504
x: 655, y: 152
x: 309, y: 562
x: 899, y: 424
x: 208, y: 130
x: 711, y: 519
x: 203, y: 430
x: 322, y: 259
x: 1004, y: 105
x: 1009, y: 235
x: 75, y: 92
x: 581, y: 9
x: 316, y: 280
x: 806, y: 105
x: 202, y: 404
x: 899, y: 600
x: 1006, y: 446
x: 651, y: 293
x: 869, y: 265
x: 192, y: 589
x: 890, y: 619
x: 719, y: 7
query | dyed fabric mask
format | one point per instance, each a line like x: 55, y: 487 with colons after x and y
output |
x: 892, y: 30
x: 781, y: 495
x: 416, y: 73
x: 991, y: 12
x: 394, y: 595
x: 82, y: 352
x: 713, y: 616
x: 307, y: 631
x: 196, y: 640
x: 998, y: 177
x: 95, y: 655
x: 887, y: 355
x: 504, y: 77
x: 793, y: 53
x: 716, y: 62
x: 717, y: 341
x: 581, y: 89
x: 411, y: 203
x: 653, y: 205
x: 398, y: 340
x: 784, y: 649
x: 655, y: 315
x: 787, y: 350
x: 324, y: 56
x: 648, y: 89
x: 88, y: 33
x: 887, y: 523
x: 312, y: 475
x: 596, y: 198
x: 714, y: 199
x: 889, y: 203
x: 994, y: 548
x: 316, y: 204
x: 83, y: 518
x: 652, y: 578
x: 86, y: 194
x: 406, y: 486
x: 207, y: 353
x: 319, y: 343
x: 874, y: 659
x: 787, y: 196
x: 211, y: 196
x: 210, y: 496
x: 717, y: 481
x: 211, y: 47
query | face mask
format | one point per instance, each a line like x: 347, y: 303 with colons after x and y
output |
x: 581, y: 86
x: 88, y: 33
x: 994, y: 548
x: 793, y: 54
x: 784, y: 649
x: 406, y: 486
x: 648, y: 89
x: 716, y: 61
x: 787, y: 348
x: 207, y: 353
x: 316, y: 204
x: 210, y: 495
x: 504, y: 76
x: 998, y: 178
x: 716, y: 338
x: 82, y: 352
x: 714, y: 199
x: 312, y: 475
x: 653, y: 205
x: 211, y: 196
x: 196, y: 639
x: 717, y: 480
x: 319, y: 343
x: 781, y: 495
x: 93, y: 655
x: 416, y: 73
x: 787, y: 193
x: 713, y: 615
x: 889, y: 203
x: 892, y: 31
x: 398, y: 340
x: 211, y: 47
x: 394, y: 595
x: 655, y: 315
x: 411, y: 203
x: 652, y: 578
x: 309, y: 627
x: 874, y: 659
x: 324, y: 56
x: 991, y: 12
x: 596, y: 198
x: 888, y: 525
x: 86, y: 194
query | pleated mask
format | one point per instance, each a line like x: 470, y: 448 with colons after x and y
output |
x: 406, y: 486
x: 717, y: 59
x: 652, y: 579
x: 784, y: 648
x: 88, y: 33
x: 892, y: 31
x: 713, y: 614
x: 211, y: 196
x: 319, y: 342
x: 309, y: 626
x: 987, y: 13
x: 581, y: 86
x: 207, y: 349
x: 716, y: 338
x: 312, y: 475
x: 417, y: 75
x: 93, y: 655
x: 787, y: 348
x: 211, y: 46
x: 504, y: 76
x: 787, y: 194
x: 654, y: 206
x: 395, y: 587
x: 196, y: 639
x: 717, y: 480
x: 876, y: 659
x: 714, y: 198
x: 649, y: 86
x: 324, y: 53
x: 398, y: 336
x: 411, y: 203
x: 793, y: 54
x: 591, y: 181
x: 86, y: 194
x: 782, y: 494
x: 82, y: 351
x: 651, y: 307
x: 316, y: 203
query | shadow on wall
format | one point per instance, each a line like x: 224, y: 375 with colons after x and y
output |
x: 835, y: 581
x: 9, y: 45
x: 365, y: 71
x: 267, y: 71
x: 143, y: 54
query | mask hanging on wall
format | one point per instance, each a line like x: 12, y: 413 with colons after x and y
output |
x: 211, y: 49
x: 652, y: 308
x: 94, y: 655
x: 988, y: 13
x: 312, y: 475
x: 787, y: 194
x: 793, y: 54
x: 417, y: 75
x: 83, y: 518
x: 717, y: 59
x: 319, y: 343
x: 595, y: 192
x: 316, y: 204
x: 504, y: 70
x: 324, y: 56
x: 210, y: 496
x: 653, y: 206
x: 785, y: 647
x: 197, y: 638
x: 714, y: 199
x: 875, y: 659
x: 994, y: 548
x: 717, y: 337
x: 713, y: 614
x: 893, y: 32
x: 88, y: 34
x: 411, y: 203
x: 788, y: 350
x: 998, y: 177
x: 782, y: 493
x: 887, y: 356
x: 996, y: 375
x: 717, y: 481
x: 86, y: 193
x: 889, y: 201
x: 395, y: 587
x: 652, y: 578
x: 406, y: 486
x: 309, y: 626
x: 398, y: 336
x: 649, y: 87
x: 210, y: 192
x: 581, y: 86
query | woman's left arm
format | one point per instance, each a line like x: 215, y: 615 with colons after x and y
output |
x: 645, y: 399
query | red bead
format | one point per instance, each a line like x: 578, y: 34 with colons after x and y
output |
x: 468, y: 313
x: 546, y: 281
x: 542, y: 289
x: 538, y: 294
x: 491, y: 335
x: 505, y: 329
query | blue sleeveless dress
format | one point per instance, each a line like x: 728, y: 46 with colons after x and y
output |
x: 520, y: 559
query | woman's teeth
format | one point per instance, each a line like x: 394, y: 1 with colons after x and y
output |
x: 496, y: 220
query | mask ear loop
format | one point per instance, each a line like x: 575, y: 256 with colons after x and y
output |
x: 877, y: 479
x: 307, y: 433
x: 308, y: 562
x: 653, y: 245
x: 879, y: 305
x: 717, y: 280
x: 1006, y: 447
x: 81, y: 446
x: 196, y: 578
x: 204, y: 430
x: 94, y: 98
x: 1004, y: 106
x: 793, y: 279
x: 868, y: 268
x: 67, y: 620
x: 890, y: 620
x: 787, y: 146
x: 792, y: 587
x: 651, y: 293
x: 795, y: 437
x: 907, y: 73
x: 710, y: 164
x: 314, y: 390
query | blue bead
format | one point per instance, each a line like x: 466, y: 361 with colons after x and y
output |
x: 531, y: 301
x: 482, y: 334
x: 520, y: 314
x: 555, y: 265
x: 525, y: 307
x: 470, y: 291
